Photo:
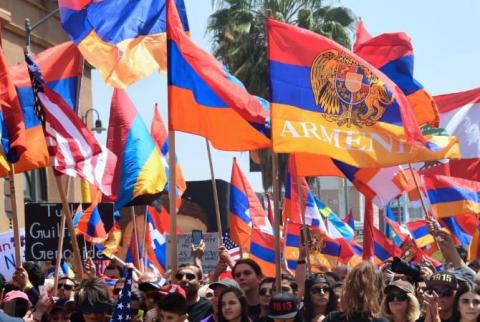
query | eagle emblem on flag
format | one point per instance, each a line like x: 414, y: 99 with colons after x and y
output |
x: 347, y: 92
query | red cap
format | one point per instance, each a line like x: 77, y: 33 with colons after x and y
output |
x: 173, y: 289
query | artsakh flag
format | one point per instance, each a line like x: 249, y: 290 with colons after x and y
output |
x: 327, y: 100
x: 204, y: 99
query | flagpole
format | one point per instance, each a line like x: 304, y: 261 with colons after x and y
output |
x: 276, y: 217
x: 59, y: 254
x: 68, y: 215
x: 215, y: 194
x: 16, y: 229
x: 144, y: 249
x: 172, y: 196
x: 302, y: 212
x: 135, y: 235
x: 427, y: 215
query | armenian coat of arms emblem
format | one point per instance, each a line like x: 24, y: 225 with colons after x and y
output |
x: 347, y: 92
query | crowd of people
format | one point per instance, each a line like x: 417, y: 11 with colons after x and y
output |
x: 397, y: 291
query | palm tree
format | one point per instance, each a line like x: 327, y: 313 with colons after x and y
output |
x: 238, y: 32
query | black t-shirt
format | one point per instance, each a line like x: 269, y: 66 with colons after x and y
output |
x: 254, y: 312
x: 337, y: 316
x: 199, y: 310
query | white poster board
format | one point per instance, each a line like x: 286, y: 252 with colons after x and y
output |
x: 7, y: 253
x: 184, y: 251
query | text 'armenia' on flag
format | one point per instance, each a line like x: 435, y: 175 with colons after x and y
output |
x: 326, y: 100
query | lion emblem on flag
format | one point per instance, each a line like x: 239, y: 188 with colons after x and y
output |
x: 347, y: 92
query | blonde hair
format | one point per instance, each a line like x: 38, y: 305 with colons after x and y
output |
x: 413, y: 310
x: 360, y: 291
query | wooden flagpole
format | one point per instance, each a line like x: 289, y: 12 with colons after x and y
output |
x: 304, y: 222
x: 144, y: 248
x: 67, y: 213
x: 215, y: 194
x: 135, y: 235
x: 172, y: 196
x: 61, y: 236
x: 276, y: 219
x: 427, y: 215
x: 16, y: 228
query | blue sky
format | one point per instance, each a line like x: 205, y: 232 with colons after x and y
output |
x: 446, y: 46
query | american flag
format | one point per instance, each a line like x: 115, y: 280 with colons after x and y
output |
x: 72, y: 147
x: 122, y: 308
x: 233, y: 249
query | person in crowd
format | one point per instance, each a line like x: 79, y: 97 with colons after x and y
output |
x: 233, y: 306
x: 65, y: 288
x: 172, y: 306
x: 360, y: 300
x: 399, y: 302
x: 149, y: 284
x: 319, y: 298
x: 337, y: 290
x: 113, y: 271
x: 205, y: 292
x: 288, y: 284
x: 248, y: 275
x: 92, y: 300
x: 475, y: 265
x: 190, y: 278
x: 21, y: 280
x: 467, y: 304
x: 16, y: 303
x: 265, y: 291
x: 284, y: 308
x: 60, y: 312
x: 439, y: 298
x: 137, y: 307
x: 217, y: 289
x: 119, y: 284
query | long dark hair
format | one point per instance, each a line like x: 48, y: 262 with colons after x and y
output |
x: 243, y: 302
x: 465, y: 288
x: 332, y: 299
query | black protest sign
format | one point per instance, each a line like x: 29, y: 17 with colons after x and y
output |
x: 42, y: 230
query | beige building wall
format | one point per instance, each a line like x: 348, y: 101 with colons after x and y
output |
x: 48, y: 34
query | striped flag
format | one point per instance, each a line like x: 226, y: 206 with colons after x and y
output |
x: 72, y: 147
x: 232, y: 248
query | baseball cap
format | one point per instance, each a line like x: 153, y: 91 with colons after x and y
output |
x: 401, y: 284
x: 283, y: 306
x: 13, y: 295
x: 443, y: 279
x: 227, y: 282
x: 173, y: 289
x: 152, y: 285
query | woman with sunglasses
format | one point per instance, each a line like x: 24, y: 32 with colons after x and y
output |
x: 232, y: 306
x: 399, y: 303
x: 467, y: 304
x: 319, y: 297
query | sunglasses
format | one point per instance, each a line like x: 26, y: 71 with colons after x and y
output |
x: 117, y: 291
x: 442, y: 292
x: 189, y: 276
x: 66, y: 287
x: 398, y: 296
x: 319, y: 290
x: 470, y: 302
x: 263, y: 291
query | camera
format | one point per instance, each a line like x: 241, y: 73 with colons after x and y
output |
x: 402, y: 267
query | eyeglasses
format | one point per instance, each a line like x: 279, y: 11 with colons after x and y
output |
x: 189, y: 276
x: 442, y: 292
x: 399, y: 296
x: 66, y: 287
x: 117, y: 291
x: 319, y: 290
x: 470, y: 302
x: 263, y: 291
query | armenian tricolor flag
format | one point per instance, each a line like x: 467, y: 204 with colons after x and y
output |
x: 125, y: 46
x: 90, y: 224
x: 392, y: 54
x: 450, y: 196
x: 139, y: 173
x: 204, y: 99
x: 327, y: 100
x: 262, y: 251
x: 474, y: 249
